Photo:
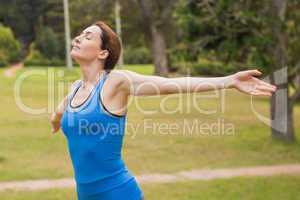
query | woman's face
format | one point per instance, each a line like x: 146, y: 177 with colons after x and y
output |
x: 86, y: 46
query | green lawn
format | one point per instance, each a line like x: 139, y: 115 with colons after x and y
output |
x: 271, y: 188
x: 29, y: 151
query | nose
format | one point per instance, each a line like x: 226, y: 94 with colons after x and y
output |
x: 76, y: 40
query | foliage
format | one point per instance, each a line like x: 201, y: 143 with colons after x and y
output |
x: 23, y: 16
x: 46, y: 50
x: 137, y: 55
x: 9, y: 46
x: 234, y: 30
x: 206, y: 63
x: 36, y: 58
x: 47, y: 43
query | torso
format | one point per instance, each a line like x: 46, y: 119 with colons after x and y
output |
x: 95, y: 139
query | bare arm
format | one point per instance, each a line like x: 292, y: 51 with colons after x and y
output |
x: 244, y: 81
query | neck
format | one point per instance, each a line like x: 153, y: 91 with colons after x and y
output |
x: 91, y: 73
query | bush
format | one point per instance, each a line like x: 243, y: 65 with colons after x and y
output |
x: 10, y: 50
x: 36, y: 58
x: 137, y: 55
x: 46, y: 50
x: 215, y: 68
x: 47, y: 43
x: 208, y: 67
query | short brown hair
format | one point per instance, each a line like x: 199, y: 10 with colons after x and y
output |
x: 110, y: 42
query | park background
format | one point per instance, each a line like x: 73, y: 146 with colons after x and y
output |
x: 169, y: 38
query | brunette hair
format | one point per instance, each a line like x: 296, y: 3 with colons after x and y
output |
x: 110, y: 42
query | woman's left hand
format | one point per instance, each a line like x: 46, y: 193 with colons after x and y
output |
x: 246, y: 82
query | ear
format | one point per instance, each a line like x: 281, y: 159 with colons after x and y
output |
x: 103, y: 54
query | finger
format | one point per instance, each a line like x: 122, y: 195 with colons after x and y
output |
x: 265, y: 83
x: 265, y: 88
x: 254, y: 72
x: 260, y: 93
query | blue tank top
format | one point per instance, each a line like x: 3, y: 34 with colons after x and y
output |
x: 95, y: 137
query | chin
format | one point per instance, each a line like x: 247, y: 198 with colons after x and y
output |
x: 80, y: 58
x: 76, y: 56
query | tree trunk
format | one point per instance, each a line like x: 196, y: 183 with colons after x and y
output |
x: 282, y: 122
x: 119, y: 30
x: 156, y: 36
x: 159, y: 51
x: 67, y: 34
x: 281, y: 106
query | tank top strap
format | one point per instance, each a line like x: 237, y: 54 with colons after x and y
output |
x: 99, y: 99
x: 74, y: 90
x: 102, y: 81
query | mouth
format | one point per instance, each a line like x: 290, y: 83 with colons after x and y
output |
x: 75, y: 47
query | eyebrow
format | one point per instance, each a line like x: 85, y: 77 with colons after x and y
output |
x: 87, y: 32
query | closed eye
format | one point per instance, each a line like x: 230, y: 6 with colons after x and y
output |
x: 88, y: 37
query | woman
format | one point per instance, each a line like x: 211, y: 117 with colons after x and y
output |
x: 100, y: 99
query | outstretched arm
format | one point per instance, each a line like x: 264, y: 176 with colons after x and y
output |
x: 244, y: 81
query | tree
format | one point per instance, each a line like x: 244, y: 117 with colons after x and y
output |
x: 118, y: 23
x: 253, y: 33
x: 93, y: 11
x: 9, y: 46
x: 67, y: 34
x: 23, y: 17
x: 156, y: 15
x: 282, y: 103
x: 28, y: 17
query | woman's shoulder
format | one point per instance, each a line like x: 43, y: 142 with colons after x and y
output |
x: 118, y: 81
x: 118, y: 73
x: 118, y: 76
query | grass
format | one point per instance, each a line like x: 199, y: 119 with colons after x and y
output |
x: 255, y: 188
x: 30, y: 151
